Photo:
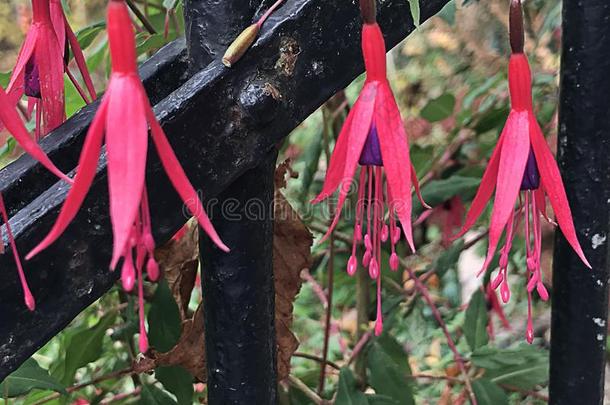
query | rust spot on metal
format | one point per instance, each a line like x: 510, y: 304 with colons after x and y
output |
x: 289, y: 54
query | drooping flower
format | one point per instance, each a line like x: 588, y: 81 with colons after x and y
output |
x: 42, y: 61
x: 522, y: 167
x: 13, y: 123
x: 38, y: 72
x: 123, y: 119
x: 374, y: 137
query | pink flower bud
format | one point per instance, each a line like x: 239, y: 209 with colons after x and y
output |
x: 128, y: 275
x: 374, y: 268
x: 385, y: 231
x: 544, y: 294
x: 352, y: 265
x: 152, y: 268
x: 505, y: 292
x: 366, y: 259
x: 394, y: 262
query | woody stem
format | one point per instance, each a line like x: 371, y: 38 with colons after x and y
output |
x: 143, y: 19
x: 517, y: 35
x: 368, y: 10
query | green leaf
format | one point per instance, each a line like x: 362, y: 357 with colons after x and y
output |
x: 437, y: 192
x: 475, y: 323
x: 178, y: 381
x: 149, y: 43
x: 389, y: 370
x: 28, y: 377
x: 523, y: 366
x: 448, y: 259
x: 491, y: 119
x: 381, y: 400
x: 488, y: 393
x: 152, y: 395
x: 86, y: 36
x: 85, y: 346
x: 347, y: 393
x: 440, y: 108
x: 170, y: 4
x: 311, y: 157
x: 414, y: 6
x: 422, y: 159
x: 163, y: 319
x: 5, y: 78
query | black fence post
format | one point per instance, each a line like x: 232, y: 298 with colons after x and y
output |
x: 238, y: 293
x: 238, y: 289
x: 580, y: 295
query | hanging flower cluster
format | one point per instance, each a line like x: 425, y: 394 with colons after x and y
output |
x: 42, y: 61
x: 522, y: 170
x: 123, y: 120
x: 38, y: 74
x: 373, y: 137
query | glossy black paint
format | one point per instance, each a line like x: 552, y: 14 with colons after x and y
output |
x: 239, y: 294
x: 580, y: 295
x: 218, y: 133
x: 238, y: 288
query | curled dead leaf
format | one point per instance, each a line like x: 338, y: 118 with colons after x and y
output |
x: 291, y: 253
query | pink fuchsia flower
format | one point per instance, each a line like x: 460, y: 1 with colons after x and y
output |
x: 13, y: 123
x: 522, y: 167
x: 123, y: 119
x: 39, y: 70
x: 41, y: 64
x: 374, y: 137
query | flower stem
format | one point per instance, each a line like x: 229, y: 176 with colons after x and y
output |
x: 274, y: 7
x: 368, y: 10
x: 143, y: 19
x: 517, y: 35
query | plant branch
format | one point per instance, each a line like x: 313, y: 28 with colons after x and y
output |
x: 74, y: 388
x: 143, y: 19
x: 309, y: 393
x: 318, y: 359
x: 458, y: 358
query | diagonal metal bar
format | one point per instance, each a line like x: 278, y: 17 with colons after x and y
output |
x: 221, y: 122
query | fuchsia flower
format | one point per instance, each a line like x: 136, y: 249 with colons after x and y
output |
x: 13, y: 123
x: 41, y: 63
x: 39, y: 70
x: 374, y: 138
x: 123, y: 117
x: 521, y: 167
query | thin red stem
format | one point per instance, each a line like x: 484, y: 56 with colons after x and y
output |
x: 265, y: 16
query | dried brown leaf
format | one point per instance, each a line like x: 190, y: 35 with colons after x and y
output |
x: 291, y: 253
x: 179, y: 261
